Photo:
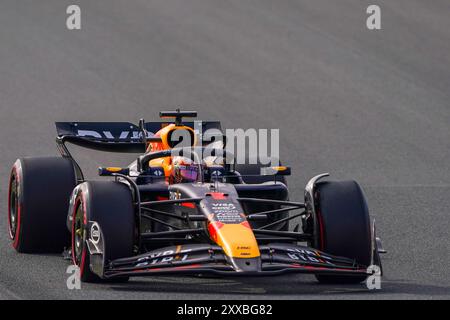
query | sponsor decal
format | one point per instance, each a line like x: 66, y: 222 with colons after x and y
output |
x: 124, y: 135
x: 95, y: 233
x: 166, y: 256
x: 226, y: 212
x: 307, y: 256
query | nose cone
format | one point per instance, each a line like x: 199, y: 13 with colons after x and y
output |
x: 237, y: 240
x: 228, y: 228
x: 238, y: 243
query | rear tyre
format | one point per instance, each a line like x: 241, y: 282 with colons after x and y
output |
x: 38, y: 200
x: 344, y: 225
x: 110, y: 204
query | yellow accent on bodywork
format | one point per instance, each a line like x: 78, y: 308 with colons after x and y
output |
x: 281, y: 168
x: 237, y: 241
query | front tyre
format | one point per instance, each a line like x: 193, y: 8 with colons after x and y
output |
x: 110, y: 204
x: 343, y: 225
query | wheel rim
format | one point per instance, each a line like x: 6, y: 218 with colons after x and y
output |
x: 13, y: 207
x: 79, y: 234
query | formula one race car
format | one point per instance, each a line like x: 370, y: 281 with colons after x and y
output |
x: 184, y: 207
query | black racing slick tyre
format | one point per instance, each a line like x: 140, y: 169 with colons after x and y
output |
x: 110, y: 204
x: 343, y: 225
x: 38, y: 201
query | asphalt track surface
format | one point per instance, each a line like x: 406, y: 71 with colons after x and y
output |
x: 368, y: 105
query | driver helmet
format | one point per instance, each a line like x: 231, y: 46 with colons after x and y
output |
x: 184, y: 170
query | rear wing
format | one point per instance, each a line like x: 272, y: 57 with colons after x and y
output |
x: 120, y: 136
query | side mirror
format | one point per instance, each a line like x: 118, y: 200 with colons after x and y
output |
x: 278, y: 171
x: 109, y: 171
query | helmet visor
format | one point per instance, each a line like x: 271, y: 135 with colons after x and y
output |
x: 188, y: 173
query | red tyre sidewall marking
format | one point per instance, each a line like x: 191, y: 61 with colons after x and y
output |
x: 322, y: 236
x: 320, y: 225
x: 79, y: 199
x: 16, y: 236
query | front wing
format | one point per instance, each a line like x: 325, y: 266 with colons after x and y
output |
x: 276, y: 258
